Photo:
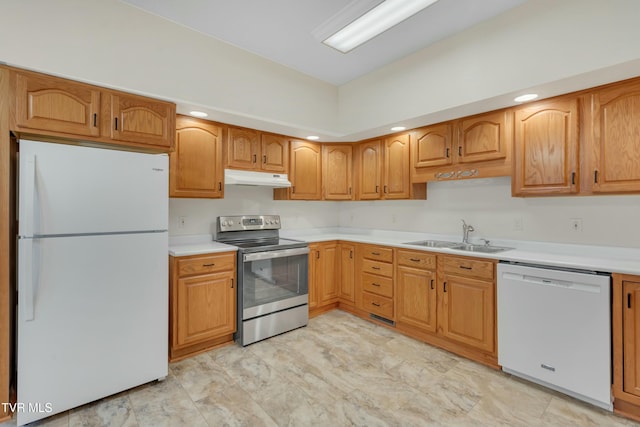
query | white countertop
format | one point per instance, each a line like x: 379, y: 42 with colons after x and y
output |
x: 196, y: 244
x: 596, y: 258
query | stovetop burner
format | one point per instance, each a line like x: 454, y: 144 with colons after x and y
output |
x: 254, y: 233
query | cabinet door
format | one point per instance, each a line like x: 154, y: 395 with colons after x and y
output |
x: 140, y: 120
x: 56, y: 105
x: 242, y: 148
x: 336, y: 172
x: 347, y: 273
x: 615, y: 167
x: 369, y: 170
x: 206, y: 307
x: 306, y: 171
x: 396, y: 168
x: 195, y: 168
x: 416, y: 298
x: 466, y: 311
x: 328, y: 283
x: 482, y: 138
x: 631, y: 337
x: 274, y: 153
x: 433, y: 146
x: 546, y: 148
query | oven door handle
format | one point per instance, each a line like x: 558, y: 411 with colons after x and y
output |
x: 275, y: 254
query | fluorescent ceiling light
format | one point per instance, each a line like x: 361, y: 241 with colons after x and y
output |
x: 398, y: 128
x: 313, y: 137
x: 198, y: 113
x: 526, y: 97
x: 377, y: 20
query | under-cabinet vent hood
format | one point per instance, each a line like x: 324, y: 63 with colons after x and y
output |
x: 264, y: 179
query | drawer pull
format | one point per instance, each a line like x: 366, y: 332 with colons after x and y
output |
x: 414, y: 259
x: 375, y: 284
x: 375, y: 253
x: 375, y: 268
x: 375, y: 304
x: 464, y: 267
x: 208, y: 265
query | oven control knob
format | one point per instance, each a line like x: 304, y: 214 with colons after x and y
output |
x: 269, y: 222
x: 230, y: 223
x: 276, y: 221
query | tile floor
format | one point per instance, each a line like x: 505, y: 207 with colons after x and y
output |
x: 338, y: 371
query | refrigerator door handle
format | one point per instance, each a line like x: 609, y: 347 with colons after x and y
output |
x: 27, y: 194
x: 25, y: 280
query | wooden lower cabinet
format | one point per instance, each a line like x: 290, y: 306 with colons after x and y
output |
x: 416, y: 284
x: 626, y: 345
x: 323, y: 277
x: 202, y: 303
x: 347, y: 268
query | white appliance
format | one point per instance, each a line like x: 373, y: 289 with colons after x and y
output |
x: 92, y: 274
x: 260, y: 179
x: 554, y: 328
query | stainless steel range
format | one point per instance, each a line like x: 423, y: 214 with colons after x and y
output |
x: 273, y: 290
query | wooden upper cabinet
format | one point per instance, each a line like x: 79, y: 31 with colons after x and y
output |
x: 242, y: 148
x: 615, y: 157
x: 483, y: 138
x: 274, y: 153
x: 138, y: 119
x: 396, y: 168
x: 306, y: 171
x: 249, y: 149
x: 52, y: 104
x: 546, y: 148
x: 337, y: 176
x: 433, y: 146
x: 369, y: 167
x: 195, y: 168
x: 48, y: 105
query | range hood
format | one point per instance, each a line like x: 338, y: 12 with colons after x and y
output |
x: 264, y: 179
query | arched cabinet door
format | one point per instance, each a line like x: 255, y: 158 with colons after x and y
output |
x: 615, y: 122
x: 195, y: 166
x: 306, y: 171
x: 546, y: 148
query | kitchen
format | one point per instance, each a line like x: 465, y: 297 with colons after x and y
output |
x: 487, y: 204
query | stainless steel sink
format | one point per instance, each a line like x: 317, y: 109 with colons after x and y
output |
x: 479, y: 248
x: 433, y: 243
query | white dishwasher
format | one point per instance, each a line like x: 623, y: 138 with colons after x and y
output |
x: 554, y: 328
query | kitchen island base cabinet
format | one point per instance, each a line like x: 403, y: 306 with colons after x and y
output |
x: 202, y: 303
x: 626, y: 345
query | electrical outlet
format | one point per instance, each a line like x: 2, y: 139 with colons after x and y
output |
x: 576, y: 225
x: 182, y: 220
x: 517, y: 224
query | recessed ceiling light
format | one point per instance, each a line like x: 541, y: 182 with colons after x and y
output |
x: 313, y: 137
x: 526, y: 97
x: 398, y: 128
x: 377, y: 20
x: 198, y: 113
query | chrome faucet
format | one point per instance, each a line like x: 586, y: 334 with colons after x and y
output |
x: 466, y: 229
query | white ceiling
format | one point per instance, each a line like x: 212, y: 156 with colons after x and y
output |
x: 289, y: 31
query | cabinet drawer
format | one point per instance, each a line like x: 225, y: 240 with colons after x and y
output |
x: 375, y: 267
x: 416, y: 259
x: 377, y: 253
x: 377, y: 285
x: 378, y: 305
x: 206, y: 264
x: 468, y: 267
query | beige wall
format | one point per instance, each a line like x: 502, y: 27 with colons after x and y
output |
x: 557, y: 46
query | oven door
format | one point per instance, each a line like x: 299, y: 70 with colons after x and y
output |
x: 274, y: 280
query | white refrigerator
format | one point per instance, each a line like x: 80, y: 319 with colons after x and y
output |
x: 92, y: 316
